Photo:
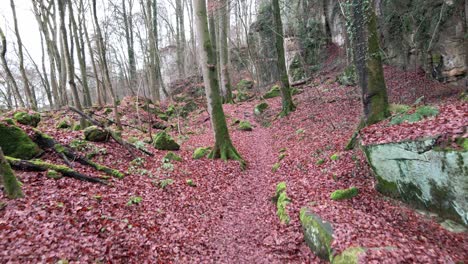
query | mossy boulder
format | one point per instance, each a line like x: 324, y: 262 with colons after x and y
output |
x: 318, y: 234
x: 201, y: 152
x: 260, y: 108
x: 349, y: 256
x: 189, y: 107
x: 63, y: 124
x: 245, y: 84
x: 282, y: 200
x: 245, y: 126
x: 171, y: 156
x: 344, y: 194
x: 243, y: 96
x: 16, y: 143
x: 348, y: 77
x: 27, y: 118
x: 76, y: 127
x: 96, y: 134
x: 164, y: 141
x: 275, y: 91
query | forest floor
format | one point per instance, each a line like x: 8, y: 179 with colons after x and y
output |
x: 228, y: 217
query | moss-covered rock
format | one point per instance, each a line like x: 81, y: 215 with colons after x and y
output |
x: 282, y: 200
x: 171, y: 156
x: 423, y: 176
x: 243, y: 96
x: 188, y: 108
x: 96, y: 134
x: 275, y: 91
x: 164, y: 141
x: 76, y: 127
x: 344, y: 194
x: 171, y: 110
x: 348, y: 77
x: 201, y: 152
x: 63, y: 124
x: 9, y: 121
x: 16, y: 143
x: 11, y: 186
x: 245, y: 126
x: 27, y: 118
x: 318, y: 234
x: 260, y: 108
x: 275, y: 167
x: 245, y: 84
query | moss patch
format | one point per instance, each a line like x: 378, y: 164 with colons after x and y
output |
x: 12, y: 186
x: 349, y: 256
x: 63, y: 124
x: 201, y: 152
x: 282, y: 200
x: 245, y: 126
x: 52, y: 174
x: 245, y: 84
x: 164, y: 141
x: 16, y: 143
x: 260, y: 108
x: 344, y: 194
x: 275, y: 167
x: 273, y: 92
x: 171, y: 156
x: 27, y: 119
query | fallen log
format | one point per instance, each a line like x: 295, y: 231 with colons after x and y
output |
x: 114, y: 135
x: 37, y: 165
x: 47, y: 142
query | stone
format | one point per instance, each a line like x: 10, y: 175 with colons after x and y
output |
x: 17, y: 144
x: 96, y: 134
x: 273, y: 92
x: 27, y: 118
x: 349, y: 193
x: 245, y: 84
x: 201, y: 152
x: 245, y: 126
x: 260, y: 108
x: 423, y: 175
x: 164, y: 141
x: 318, y: 234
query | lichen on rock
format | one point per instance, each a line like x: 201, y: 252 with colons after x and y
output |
x: 318, y: 234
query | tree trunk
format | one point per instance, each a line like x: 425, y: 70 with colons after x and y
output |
x: 93, y: 63
x: 223, y: 148
x: 128, y: 27
x: 224, y: 50
x: 29, y: 94
x: 369, y: 64
x: 103, y: 59
x: 10, y: 79
x: 180, y: 26
x: 8, y: 179
x: 287, y: 102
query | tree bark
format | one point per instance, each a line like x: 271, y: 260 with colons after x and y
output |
x: 287, y: 102
x: 180, y: 26
x: 8, y: 179
x: 224, y: 50
x: 223, y: 148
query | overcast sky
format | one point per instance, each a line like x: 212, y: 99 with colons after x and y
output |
x: 27, y: 27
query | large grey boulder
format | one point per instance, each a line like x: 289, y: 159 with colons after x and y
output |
x: 423, y: 175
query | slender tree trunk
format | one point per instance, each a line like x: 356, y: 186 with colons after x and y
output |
x: 10, y: 78
x: 44, y: 72
x: 103, y: 59
x: 287, y: 102
x: 128, y: 27
x: 68, y: 58
x: 223, y: 148
x: 180, y: 26
x: 93, y: 63
x: 224, y: 50
x: 368, y: 62
x: 29, y: 94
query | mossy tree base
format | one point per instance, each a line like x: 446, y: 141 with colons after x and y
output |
x: 227, y: 152
x: 8, y: 179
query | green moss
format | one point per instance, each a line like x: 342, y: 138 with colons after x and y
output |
x: 281, y: 210
x: 164, y: 141
x: 318, y: 234
x: 320, y: 162
x: 166, y: 182
x: 420, y: 113
x: 348, y: 77
x: 244, y: 85
x: 349, y: 256
x: 9, y: 121
x: 171, y: 110
x: 63, y: 124
x: 275, y: 91
x: 282, y: 156
x: 335, y: 157
x: 344, y: 194
x: 27, y: 119
x: 134, y: 200
x: 245, y: 126
x: 163, y: 117
x: 52, y: 174
x: 191, y: 183
x: 11, y: 185
x: 201, y: 152
x: 463, y: 142
x: 96, y: 134
x: 295, y: 91
x: 76, y: 127
x: 171, y: 156
x: 16, y: 143
x: 398, y: 108
x: 260, y: 108
x: 275, y: 167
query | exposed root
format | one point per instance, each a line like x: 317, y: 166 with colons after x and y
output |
x: 227, y: 152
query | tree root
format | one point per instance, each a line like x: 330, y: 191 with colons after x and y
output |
x: 227, y: 152
x: 37, y: 165
x: 47, y: 142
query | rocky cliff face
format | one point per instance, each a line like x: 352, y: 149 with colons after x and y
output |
x: 431, y: 35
